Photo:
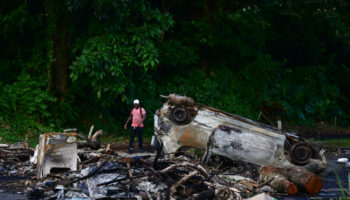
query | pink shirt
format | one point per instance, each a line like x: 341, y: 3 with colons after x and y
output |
x: 136, y: 117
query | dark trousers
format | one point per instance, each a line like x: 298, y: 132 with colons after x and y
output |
x: 133, y: 132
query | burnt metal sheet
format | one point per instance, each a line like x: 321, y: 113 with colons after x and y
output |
x: 56, y: 150
x: 246, y: 146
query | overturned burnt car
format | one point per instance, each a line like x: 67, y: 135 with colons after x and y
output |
x: 182, y: 122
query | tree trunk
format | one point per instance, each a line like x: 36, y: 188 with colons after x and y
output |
x: 58, y: 29
x: 279, y: 182
x: 306, y: 180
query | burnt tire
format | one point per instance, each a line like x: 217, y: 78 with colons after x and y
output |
x: 180, y: 115
x: 301, y: 153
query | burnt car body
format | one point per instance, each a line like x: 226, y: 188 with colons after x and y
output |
x: 182, y: 122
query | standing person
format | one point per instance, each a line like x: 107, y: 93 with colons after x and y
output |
x: 137, y: 115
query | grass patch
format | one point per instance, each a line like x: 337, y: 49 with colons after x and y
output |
x: 344, y: 142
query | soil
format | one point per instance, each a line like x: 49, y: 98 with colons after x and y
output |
x: 124, y: 146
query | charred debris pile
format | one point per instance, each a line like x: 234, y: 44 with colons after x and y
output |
x: 103, y: 174
x: 232, y: 158
x: 109, y: 174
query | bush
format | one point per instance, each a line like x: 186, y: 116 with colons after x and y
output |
x: 24, y: 107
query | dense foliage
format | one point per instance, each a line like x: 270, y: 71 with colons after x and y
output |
x: 73, y: 63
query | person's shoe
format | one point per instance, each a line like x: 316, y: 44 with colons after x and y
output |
x: 130, y: 151
x: 140, y: 150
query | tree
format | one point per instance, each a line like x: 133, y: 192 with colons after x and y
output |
x: 121, y: 43
x: 59, y: 51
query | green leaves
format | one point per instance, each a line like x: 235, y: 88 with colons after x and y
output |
x: 25, y: 108
x: 108, y: 58
x: 238, y: 56
x: 26, y: 96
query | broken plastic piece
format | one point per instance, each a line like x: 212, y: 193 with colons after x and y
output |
x: 262, y: 196
x: 343, y: 160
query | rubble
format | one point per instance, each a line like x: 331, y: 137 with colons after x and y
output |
x: 119, y: 175
x: 257, y: 163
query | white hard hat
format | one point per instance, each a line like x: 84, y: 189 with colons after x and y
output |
x: 136, y: 101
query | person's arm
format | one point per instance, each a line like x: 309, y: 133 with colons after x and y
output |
x: 127, y: 121
x: 143, y: 116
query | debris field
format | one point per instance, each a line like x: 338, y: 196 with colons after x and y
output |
x: 104, y: 173
x: 199, y: 153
